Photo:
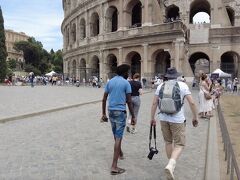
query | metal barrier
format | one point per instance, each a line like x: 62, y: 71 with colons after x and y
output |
x: 232, y: 165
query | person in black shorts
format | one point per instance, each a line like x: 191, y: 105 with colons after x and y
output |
x: 136, y: 92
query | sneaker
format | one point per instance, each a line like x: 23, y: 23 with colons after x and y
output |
x: 128, y: 129
x: 133, y: 131
x: 169, y: 172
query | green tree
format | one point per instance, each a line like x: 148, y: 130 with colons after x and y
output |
x: 57, y: 61
x: 31, y: 51
x: 12, y: 64
x: 3, y: 51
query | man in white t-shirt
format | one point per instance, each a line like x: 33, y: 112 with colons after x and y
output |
x: 173, y: 126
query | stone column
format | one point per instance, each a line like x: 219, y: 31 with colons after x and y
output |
x: 147, y: 12
x: 77, y: 32
x: 101, y: 19
x: 144, y: 61
x: 176, y: 55
x: 77, y: 70
x: 120, y: 56
x: 101, y: 65
x: 120, y: 16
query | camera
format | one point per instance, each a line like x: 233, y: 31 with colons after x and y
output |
x: 152, y: 152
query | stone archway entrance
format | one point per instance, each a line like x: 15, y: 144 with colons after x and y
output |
x: 162, y: 62
x: 74, y: 69
x: 134, y: 59
x: 199, y: 61
x: 95, y: 67
x: 111, y: 67
x: 83, y: 71
x: 230, y: 63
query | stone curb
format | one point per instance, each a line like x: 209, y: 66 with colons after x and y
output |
x: 22, y: 116
x: 212, y: 169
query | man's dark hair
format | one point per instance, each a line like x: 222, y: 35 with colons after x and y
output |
x: 122, y: 69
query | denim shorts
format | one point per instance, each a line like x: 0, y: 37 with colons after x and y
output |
x: 118, y: 122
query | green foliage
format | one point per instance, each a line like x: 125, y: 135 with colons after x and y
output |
x: 37, y: 59
x: 12, y: 64
x: 30, y: 68
x: 3, y: 51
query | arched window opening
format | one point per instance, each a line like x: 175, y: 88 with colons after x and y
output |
x: 198, y: 6
x: 73, y: 32
x: 162, y: 63
x: 67, y: 36
x: 82, y: 28
x: 172, y: 13
x: 95, y: 67
x: 94, y: 24
x: 112, y: 19
x: 230, y: 63
x: 199, y: 61
x: 201, y: 18
x: 137, y: 15
x: 115, y: 21
x: 231, y: 15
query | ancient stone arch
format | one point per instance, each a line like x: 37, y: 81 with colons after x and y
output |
x: 199, y: 61
x: 82, y: 28
x: 230, y: 63
x: 162, y: 61
x: 95, y: 66
x: 134, y: 60
x: 83, y: 69
x: 199, y: 6
x: 134, y: 13
x: 73, y: 32
x: 111, y: 19
x: 111, y: 65
x: 94, y: 24
x: 74, y: 69
x: 231, y: 14
x: 172, y: 13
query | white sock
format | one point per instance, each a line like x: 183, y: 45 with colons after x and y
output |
x: 172, y: 162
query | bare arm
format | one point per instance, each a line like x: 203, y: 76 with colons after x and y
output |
x: 153, y: 109
x: 129, y: 103
x: 104, y: 100
x: 193, y: 109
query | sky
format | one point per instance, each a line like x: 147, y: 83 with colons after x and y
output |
x: 42, y: 19
x: 38, y: 18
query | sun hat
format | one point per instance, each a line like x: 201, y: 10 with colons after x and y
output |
x: 172, y: 73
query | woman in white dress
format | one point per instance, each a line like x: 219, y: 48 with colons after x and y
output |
x: 205, y: 106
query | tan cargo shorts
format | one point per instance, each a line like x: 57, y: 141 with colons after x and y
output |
x: 173, y: 132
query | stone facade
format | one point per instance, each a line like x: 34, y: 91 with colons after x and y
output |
x: 11, y: 38
x: 149, y: 35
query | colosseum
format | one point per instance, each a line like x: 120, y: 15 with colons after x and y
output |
x: 150, y: 36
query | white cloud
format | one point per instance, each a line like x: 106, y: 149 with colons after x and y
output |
x: 38, y: 18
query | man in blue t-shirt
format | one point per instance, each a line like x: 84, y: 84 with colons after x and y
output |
x: 118, y: 91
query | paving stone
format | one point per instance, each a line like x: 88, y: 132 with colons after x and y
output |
x: 73, y: 144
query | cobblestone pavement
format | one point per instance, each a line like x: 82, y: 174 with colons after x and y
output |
x: 73, y: 144
x: 24, y: 99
